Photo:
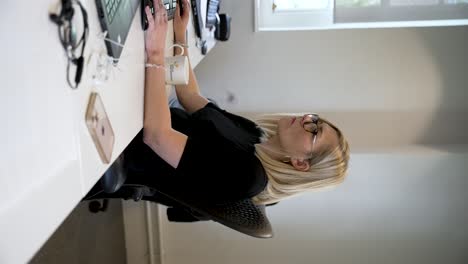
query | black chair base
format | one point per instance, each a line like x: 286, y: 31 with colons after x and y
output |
x: 96, y: 206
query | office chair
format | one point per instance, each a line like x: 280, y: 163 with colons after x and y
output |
x: 243, y: 216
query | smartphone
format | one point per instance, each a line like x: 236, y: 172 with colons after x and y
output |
x: 99, y: 127
x: 181, y: 7
x: 144, y: 20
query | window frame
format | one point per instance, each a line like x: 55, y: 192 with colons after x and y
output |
x: 266, y: 20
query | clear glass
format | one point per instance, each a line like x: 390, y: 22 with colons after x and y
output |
x: 312, y: 124
x: 455, y: 2
x: 299, y: 5
x: 356, y: 3
x: 414, y: 2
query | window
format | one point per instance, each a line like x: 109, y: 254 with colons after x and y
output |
x: 327, y: 14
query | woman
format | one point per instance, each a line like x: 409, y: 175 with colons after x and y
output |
x: 205, y: 153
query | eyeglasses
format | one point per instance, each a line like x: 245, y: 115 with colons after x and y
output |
x: 311, y: 125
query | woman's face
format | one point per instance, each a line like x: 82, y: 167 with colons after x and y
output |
x: 296, y: 135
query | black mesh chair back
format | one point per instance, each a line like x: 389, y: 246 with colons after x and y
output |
x: 243, y: 215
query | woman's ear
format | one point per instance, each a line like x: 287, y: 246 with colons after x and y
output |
x: 300, y: 164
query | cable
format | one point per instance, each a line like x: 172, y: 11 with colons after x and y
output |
x: 66, y: 33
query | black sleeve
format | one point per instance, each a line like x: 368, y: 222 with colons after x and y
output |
x: 211, y: 109
x: 217, y: 163
x: 238, y: 130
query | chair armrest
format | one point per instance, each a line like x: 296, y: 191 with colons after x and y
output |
x: 243, y: 216
x: 115, y: 176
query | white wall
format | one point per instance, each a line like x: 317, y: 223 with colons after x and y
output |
x: 390, y: 90
x: 368, y: 80
x: 393, y: 208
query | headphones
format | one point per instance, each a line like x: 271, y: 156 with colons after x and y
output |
x: 68, y: 39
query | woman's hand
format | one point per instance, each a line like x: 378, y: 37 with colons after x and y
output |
x: 156, y: 33
x: 181, y: 21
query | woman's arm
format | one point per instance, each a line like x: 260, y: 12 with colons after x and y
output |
x: 189, y: 95
x: 157, y: 131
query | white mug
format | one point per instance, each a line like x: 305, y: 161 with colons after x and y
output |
x: 177, y: 68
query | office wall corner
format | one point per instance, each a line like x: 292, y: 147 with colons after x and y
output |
x: 142, y: 232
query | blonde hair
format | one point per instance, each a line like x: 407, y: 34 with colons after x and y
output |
x: 327, y: 169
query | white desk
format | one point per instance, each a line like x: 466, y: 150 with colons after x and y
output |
x: 48, y: 161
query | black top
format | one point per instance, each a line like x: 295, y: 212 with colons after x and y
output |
x: 218, y: 163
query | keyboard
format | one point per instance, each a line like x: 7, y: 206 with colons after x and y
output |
x: 111, y: 8
x: 170, y: 6
x: 213, y: 8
